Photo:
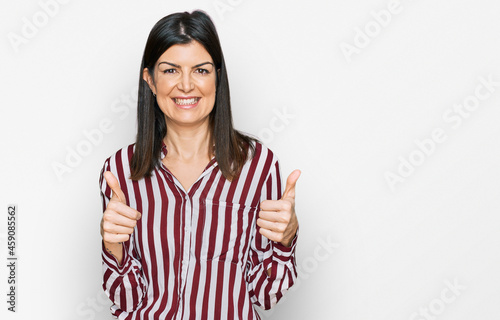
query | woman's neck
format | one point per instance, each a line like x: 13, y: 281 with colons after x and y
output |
x: 187, y: 143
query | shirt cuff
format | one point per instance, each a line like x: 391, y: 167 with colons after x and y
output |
x: 110, y: 261
x: 282, y: 252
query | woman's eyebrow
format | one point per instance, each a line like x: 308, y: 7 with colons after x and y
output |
x: 203, y: 63
x: 178, y: 66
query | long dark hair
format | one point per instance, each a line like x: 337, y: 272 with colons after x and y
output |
x: 231, y: 146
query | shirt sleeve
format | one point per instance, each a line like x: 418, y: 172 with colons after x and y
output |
x: 266, y: 290
x: 124, y: 284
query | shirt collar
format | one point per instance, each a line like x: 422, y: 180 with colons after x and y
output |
x: 163, y: 150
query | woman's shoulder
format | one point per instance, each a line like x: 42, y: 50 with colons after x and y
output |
x: 126, y: 152
x: 120, y: 159
x: 262, y: 152
x: 118, y: 164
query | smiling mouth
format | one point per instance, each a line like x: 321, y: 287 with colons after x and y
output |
x: 186, y: 102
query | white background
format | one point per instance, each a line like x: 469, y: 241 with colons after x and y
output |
x: 366, y: 250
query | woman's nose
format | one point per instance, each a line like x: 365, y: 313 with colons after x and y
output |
x: 186, y: 83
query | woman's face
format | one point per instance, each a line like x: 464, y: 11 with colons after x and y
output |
x: 184, y: 84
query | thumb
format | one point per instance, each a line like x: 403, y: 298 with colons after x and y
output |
x: 290, y: 184
x: 115, y: 186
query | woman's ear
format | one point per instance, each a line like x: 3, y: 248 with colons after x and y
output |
x: 147, y: 77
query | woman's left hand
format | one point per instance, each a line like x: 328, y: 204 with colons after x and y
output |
x: 277, y: 219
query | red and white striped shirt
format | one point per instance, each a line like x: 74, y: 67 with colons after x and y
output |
x: 197, y: 254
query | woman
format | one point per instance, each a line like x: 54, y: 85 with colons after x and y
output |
x: 192, y: 225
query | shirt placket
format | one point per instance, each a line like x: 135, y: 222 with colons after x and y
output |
x: 186, y: 243
x: 188, y: 211
x: 186, y: 218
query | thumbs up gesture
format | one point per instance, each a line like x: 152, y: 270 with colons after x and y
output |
x: 277, y: 219
x: 118, y: 220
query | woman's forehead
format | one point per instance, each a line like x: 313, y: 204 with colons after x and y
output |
x: 190, y: 54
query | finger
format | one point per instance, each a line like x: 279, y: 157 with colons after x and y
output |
x: 124, y: 210
x: 271, y: 235
x: 113, y: 228
x: 115, y: 186
x: 119, y: 220
x: 272, y: 225
x: 115, y: 238
x: 276, y: 205
x: 274, y: 216
x: 290, y: 184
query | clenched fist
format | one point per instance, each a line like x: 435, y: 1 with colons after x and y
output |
x: 118, y: 220
x: 277, y: 219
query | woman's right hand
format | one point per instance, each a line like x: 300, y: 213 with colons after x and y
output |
x: 118, y: 220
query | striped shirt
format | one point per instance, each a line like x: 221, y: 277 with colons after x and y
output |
x: 197, y: 254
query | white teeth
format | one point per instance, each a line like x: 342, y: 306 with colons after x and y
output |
x: 186, y: 101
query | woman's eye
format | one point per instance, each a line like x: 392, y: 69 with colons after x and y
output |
x: 202, y: 71
x: 169, y: 71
